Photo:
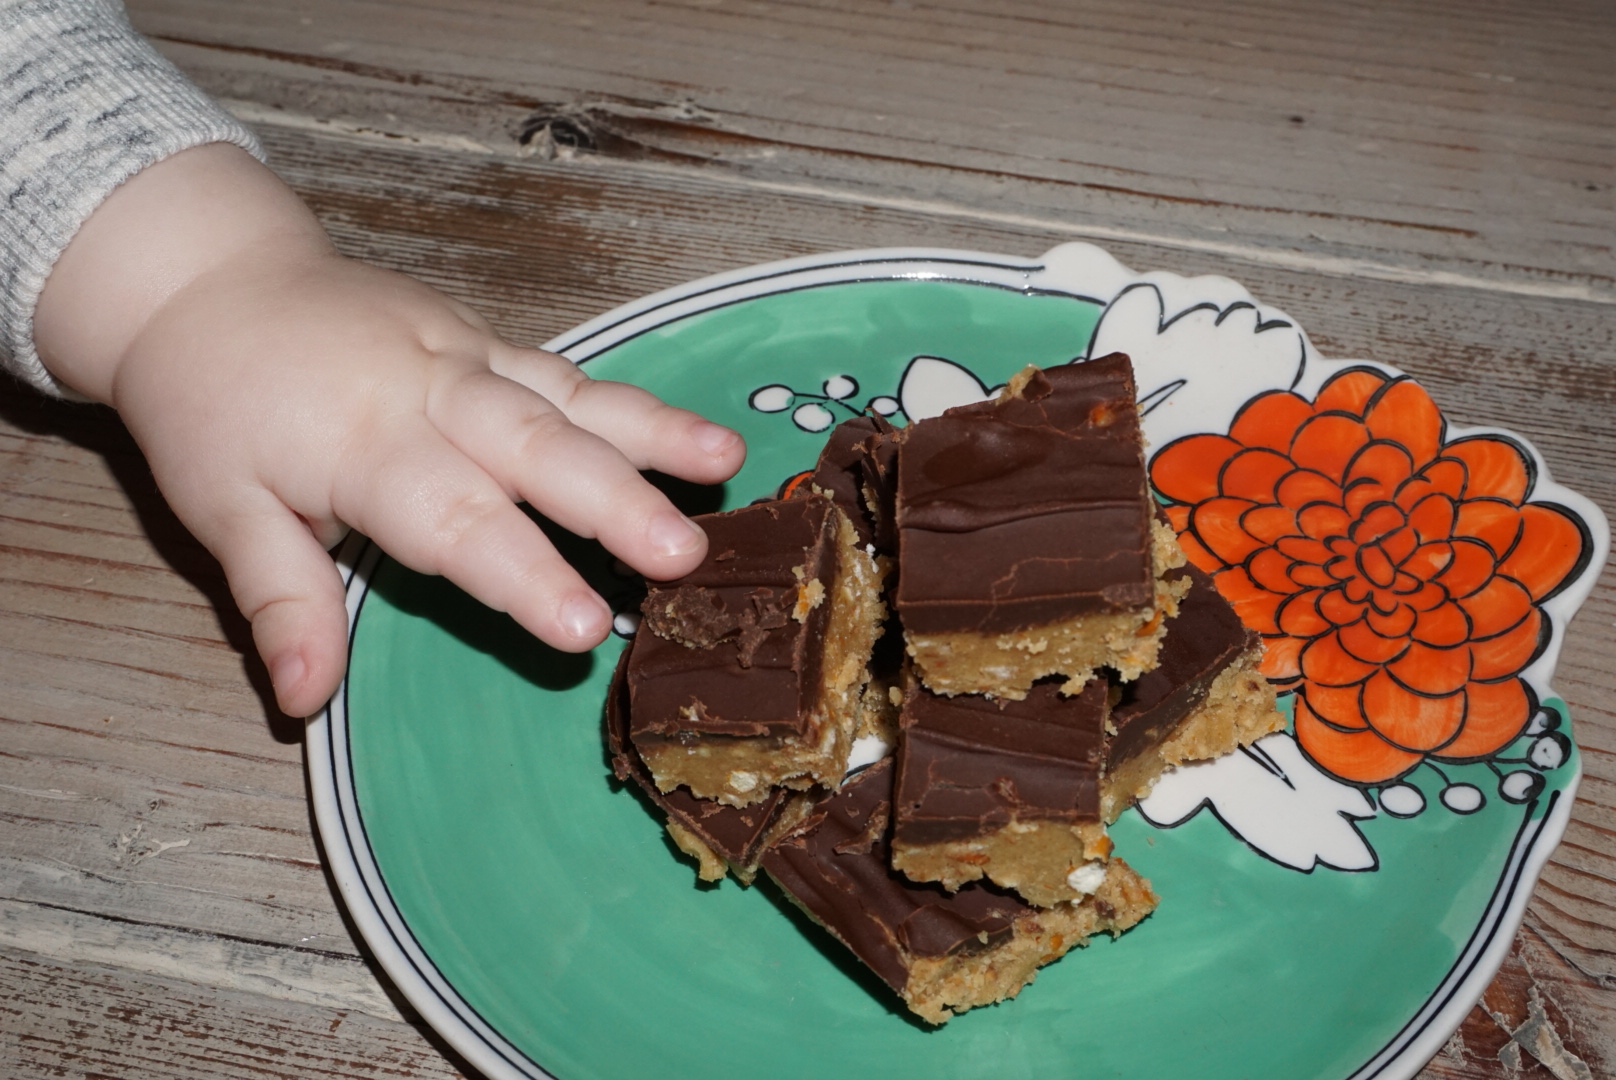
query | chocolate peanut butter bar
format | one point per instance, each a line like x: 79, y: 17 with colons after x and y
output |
x: 855, y: 476
x: 747, y: 673
x: 841, y: 471
x: 878, y: 474
x: 943, y: 953
x: 1205, y: 698
x: 722, y: 839
x: 1006, y: 790
x: 1026, y: 539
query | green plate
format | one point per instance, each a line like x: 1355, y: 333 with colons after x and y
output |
x: 1316, y: 920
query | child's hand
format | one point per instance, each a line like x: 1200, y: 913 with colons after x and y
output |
x: 283, y: 394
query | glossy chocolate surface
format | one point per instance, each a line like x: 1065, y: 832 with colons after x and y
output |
x: 1206, y: 637
x: 719, y: 651
x: 837, y: 865
x: 969, y: 765
x: 734, y: 834
x: 1026, y: 511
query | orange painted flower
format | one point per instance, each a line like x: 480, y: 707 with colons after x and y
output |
x: 1395, y: 576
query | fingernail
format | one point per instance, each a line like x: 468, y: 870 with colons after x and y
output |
x: 671, y: 533
x: 287, y: 671
x: 713, y: 438
x: 585, y: 616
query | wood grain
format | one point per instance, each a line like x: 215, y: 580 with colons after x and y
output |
x: 1532, y: 1023
x: 85, y: 1021
x: 302, y: 974
x: 1471, y: 139
x: 163, y: 911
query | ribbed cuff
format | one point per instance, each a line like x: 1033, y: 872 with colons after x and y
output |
x: 85, y: 103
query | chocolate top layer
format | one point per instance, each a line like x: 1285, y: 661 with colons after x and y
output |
x: 721, y: 651
x: 840, y: 471
x: 1026, y: 510
x: 837, y: 865
x: 1206, y: 637
x: 734, y: 834
x: 970, y: 765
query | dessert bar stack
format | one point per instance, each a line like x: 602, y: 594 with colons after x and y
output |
x: 1048, y: 655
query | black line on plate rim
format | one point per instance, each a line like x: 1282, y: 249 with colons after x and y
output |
x: 1492, y: 916
x: 459, y: 1005
x: 1020, y: 290
x: 1031, y: 268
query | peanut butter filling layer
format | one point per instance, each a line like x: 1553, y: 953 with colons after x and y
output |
x: 943, y: 987
x: 1239, y: 709
x: 1007, y: 664
x: 1044, y: 862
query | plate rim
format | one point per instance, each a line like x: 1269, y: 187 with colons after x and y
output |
x: 1059, y: 271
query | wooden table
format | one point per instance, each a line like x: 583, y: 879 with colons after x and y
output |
x: 1426, y: 184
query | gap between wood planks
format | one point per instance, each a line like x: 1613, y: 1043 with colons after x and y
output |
x: 281, y: 972
x: 253, y: 113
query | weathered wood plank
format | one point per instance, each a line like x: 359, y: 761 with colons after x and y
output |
x: 109, y: 1008
x: 88, y: 1022
x: 541, y: 247
x: 304, y: 974
x: 140, y: 773
x: 142, y: 779
x: 1532, y: 1024
x: 1453, y: 137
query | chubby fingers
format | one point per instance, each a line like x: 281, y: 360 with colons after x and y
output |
x: 436, y: 511
x: 650, y: 433
x: 283, y: 580
x: 579, y: 480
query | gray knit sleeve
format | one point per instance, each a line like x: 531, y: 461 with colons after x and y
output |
x: 85, y: 103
